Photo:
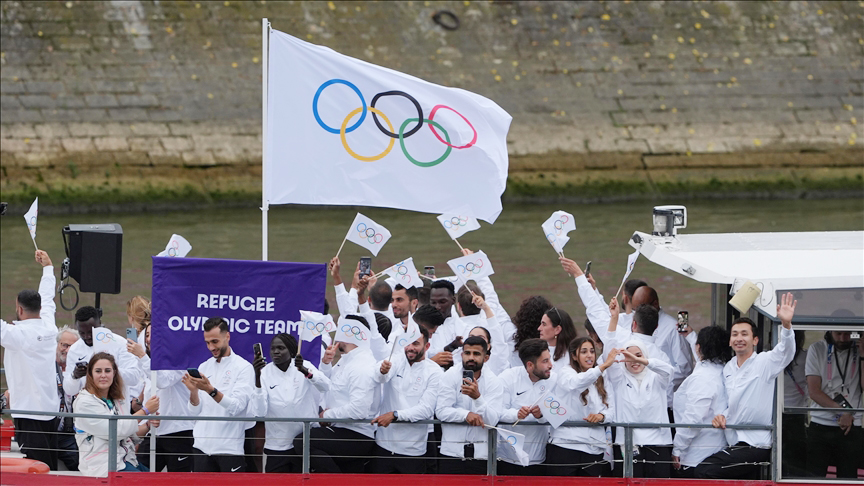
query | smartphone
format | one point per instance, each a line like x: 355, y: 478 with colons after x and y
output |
x: 429, y: 271
x: 365, y: 266
x: 256, y: 348
x: 82, y: 364
x: 193, y: 372
x: 132, y: 333
x: 683, y: 321
x: 841, y: 400
x: 468, y: 375
x: 588, y: 268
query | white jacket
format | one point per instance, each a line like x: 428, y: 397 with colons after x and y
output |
x: 354, y: 393
x: 234, y: 377
x: 173, y: 397
x: 287, y: 394
x: 519, y: 391
x: 29, y: 354
x: 103, y: 341
x: 92, y: 435
x: 571, y: 384
x: 698, y: 400
x: 645, y: 403
x: 453, y: 406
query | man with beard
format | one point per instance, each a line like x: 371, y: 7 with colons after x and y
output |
x: 750, y: 378
x: 523, y: 390
x: 354, y: 394
x: 222, y: 391
x: 410, y: 393
x: 404, y: 302
x: 174, y: 437
x: 834, y: 437
x: 471, y: 396
x: 29, y: 344
x: 95, y: 339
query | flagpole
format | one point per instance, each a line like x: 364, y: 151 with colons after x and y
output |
x: 34, y: 244
x: 340, y: 246
x: 465, y: 283
x: 460, y: 244
x: 265, y: 205
x: 541, y: 397
x: 620, y: 287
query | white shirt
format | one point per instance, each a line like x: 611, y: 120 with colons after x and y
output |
x: 795, y: 392
x: 103, y: 341
x: 453, y: 406
x: 446, y: 333
x: 346, y: 302
x: 411, y: 391
x: 562, y: 362
x: 499, y: 358
x: 234, y: 377
x: 817, y: 365
x: 750, y: 389
x: 30, y: 349
x: 519, y: 392
x: 377, y: 343
x: 354, y: 393
x: 507, y: 328
x: 644, y: 403
x: 287, y: 394
x: 570, y: 385
x: 698, y: 400
x: 173, y: 398
x: 677, y: 348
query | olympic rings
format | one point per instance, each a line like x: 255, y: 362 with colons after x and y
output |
x: 172, y: 251
x: 456, y: 221
x: 343, y: 131
x: 318, y: 95
x: 370, y: 234
x: 104, y: 337
x: 319, y: 327
x: 354, y: 331
x: 554, y: 406
x: 511, y: 439
x: 415, y: 161
x: 471, y: 267
x: 402, y: 135
x: 32, y: 221
x: 559, y: 224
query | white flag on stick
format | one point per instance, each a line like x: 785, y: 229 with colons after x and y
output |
x: 554, y: 408
x: 374, y: 133
x: 631, y: 262
x: 556, y: 228
x: 471, y: 267
x: 314, y: 324
x: 177, y: 247
x: 405, y: 273
x: 353, y: 331
x: 30, y: 217
x: 368, y: 234
x: 458, y: 223
x: 511, y: 447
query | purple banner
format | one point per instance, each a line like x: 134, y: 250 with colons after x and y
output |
x: 258, y: 299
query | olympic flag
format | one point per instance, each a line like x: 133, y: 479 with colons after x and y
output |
x: 511, y: 447
x: 631, y: 262
x: 556, y: 228
x: 459, y: 222
x: 314, y: 324
x: 30, y: 217
x: 471, y: 267
x: 341, y: 131
x: 368, y: 234
x: 353, y: 331
x: 554, y: 409
x: 404, y: 273
x: 177, y: 247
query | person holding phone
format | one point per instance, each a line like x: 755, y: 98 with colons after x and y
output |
x: 834, y: 437
x: 287, y: 387
x: 221, y: 389
x: 472, y: 396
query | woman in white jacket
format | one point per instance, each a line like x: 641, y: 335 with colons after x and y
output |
x: 578, y: 451
x: 103, y: 395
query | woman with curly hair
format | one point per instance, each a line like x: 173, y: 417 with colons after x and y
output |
x: 526, y: 321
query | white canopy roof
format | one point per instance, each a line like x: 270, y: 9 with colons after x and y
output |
x: 773, y: 261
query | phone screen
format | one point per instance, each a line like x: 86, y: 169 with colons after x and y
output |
x: 365, y: 266
x: 683, y: 321
x: 256, y: 348
x: 429, y: 271
x: 193, y: 372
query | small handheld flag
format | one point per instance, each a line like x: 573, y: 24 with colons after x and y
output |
x: 458, y: 223
x: 631, y: 261
x: 511, y: 446
x: 366, y: 233
x: 404, y: 273
x: 177, y: 247
x: 312, y: 325
x: 556, y: 228
x: 403, y: 337
x: 554, y: 409
x: 30, y: 218
x: 471, y: 267
x: 353, y: 332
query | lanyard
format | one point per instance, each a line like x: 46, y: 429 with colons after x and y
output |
x: 797, y: 386
x: 841, y: 370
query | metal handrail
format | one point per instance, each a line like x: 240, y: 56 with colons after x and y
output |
x: 492, y: 439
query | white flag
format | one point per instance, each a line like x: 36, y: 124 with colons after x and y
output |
x: 354, y: 332
x: 31, y: 216
x: 177, y: 247
x: 368, y: 234
x: 314, y: 324
x: 458, y: 223
x: 404, y: 337
x: 471, y: 267
x: 554, y: 408
x: 511, y: 447
x: 405, y: 273
x: 631, y: 261
x: 556, y: 228
x: 346, y: 132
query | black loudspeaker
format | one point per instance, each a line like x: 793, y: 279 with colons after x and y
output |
x: 95, y: 253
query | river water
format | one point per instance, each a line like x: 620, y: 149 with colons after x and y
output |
x: 525, y: 264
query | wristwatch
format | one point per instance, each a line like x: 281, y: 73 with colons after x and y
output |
x: 395, y: 416
x: 213, y: 393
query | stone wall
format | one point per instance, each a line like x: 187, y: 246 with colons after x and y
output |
x: 657, y: 91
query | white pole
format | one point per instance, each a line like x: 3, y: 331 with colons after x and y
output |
x: 265, y: 204
x: 152, y: 430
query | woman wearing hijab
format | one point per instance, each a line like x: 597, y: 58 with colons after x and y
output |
x: 285, y: 389
x: 640, y: 384
x: 558, y: 330
x: 578, y: 451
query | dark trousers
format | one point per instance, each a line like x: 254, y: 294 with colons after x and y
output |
x: 337, y: 450
x: 432, y: 452
x: 568, y: 462
x: 386, y: 462
x: 173, y: 451
x: 830, y: 446
x: 455, y: 465
x: 38, y: 439
x: 506, y: 469
x: 741, y: 461
x: 652, y: 462
x: 253, y: 447
x: 218, y: 462
x: 795, y: 445
x: 289, y: 461
x: 68, y: 453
